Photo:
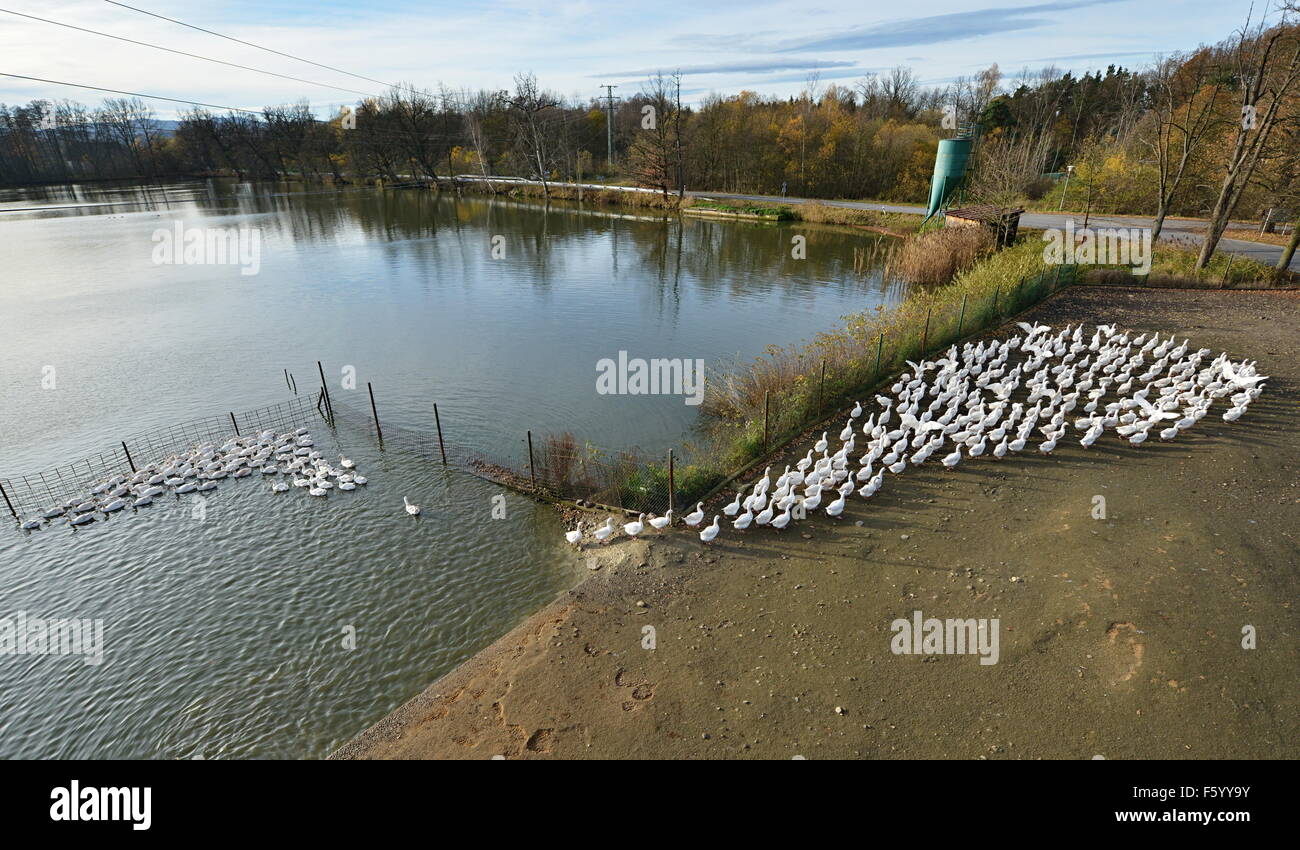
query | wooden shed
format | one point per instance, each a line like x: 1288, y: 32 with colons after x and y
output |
x: 1002, y: 223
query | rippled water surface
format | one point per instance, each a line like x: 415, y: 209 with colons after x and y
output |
x: 224, y: 626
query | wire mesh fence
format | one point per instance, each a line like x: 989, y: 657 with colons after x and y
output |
x: 563, y: 466
x: 31, y: 494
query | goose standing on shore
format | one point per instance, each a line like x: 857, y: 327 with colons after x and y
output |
x: 708, y: 534
x: 696, y: 516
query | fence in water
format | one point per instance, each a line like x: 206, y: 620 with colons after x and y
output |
x: 561, y: 466
x: 27, y: 496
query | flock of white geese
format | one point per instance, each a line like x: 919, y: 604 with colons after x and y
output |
x: 290, y: 458
x: 959, y: 407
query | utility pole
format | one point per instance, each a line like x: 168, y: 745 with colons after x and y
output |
x: 609, y: 124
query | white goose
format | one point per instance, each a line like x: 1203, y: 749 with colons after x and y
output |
x: 413, y: 510
x: 696, y: 516
x: 659, y: 523
x: 709, y: 533
x: 605, y: 531
x: 574, y: 538
x: 632, y: 529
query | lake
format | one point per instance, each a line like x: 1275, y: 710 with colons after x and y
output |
x: 226, y: 629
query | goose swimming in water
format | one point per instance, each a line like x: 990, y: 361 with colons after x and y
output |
x: 413, y: 510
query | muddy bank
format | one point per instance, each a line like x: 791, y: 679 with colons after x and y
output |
x: 1118, y: 636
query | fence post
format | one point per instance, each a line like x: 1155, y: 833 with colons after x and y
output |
x: 821, y: 390
x: 996, y: 292
x: 128, y: 456
x: 294, y: 383
x: 961, y: 319
x: 671, y: 479
x: 378, y: 430
x: 236, y: 424
x: 329, y: 403
x: 925, y: 334
x: 532, y: 470
x: 286, y: 379
x: 7, y: 502
x: 438, y: 422
x: 1224, y: 283
x: 766, y: 395
x: 880, y: 347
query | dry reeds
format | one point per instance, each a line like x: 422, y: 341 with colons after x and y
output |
x: 936, y: 257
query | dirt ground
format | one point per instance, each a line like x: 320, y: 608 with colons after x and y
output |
x: 1120, y: 637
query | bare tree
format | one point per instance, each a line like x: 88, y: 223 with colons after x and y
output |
x: 1267, y: 68
x: 529, y: 108
x: 1186, y: 113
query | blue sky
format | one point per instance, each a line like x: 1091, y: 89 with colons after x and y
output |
x: 574, y: 46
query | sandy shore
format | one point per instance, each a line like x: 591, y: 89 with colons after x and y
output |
x: 1118, y: 637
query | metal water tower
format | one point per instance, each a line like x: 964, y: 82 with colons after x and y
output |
x: 950, y: 168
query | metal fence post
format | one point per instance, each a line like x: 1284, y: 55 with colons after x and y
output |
x: 441, y: 447
x: 925, y: 334
x: 880, y: 347
x: 766, y: 395
x: 671, y: 479
x: 127, y: 452
x: 378, y: 430
x: 236, y: 424
x: 821, y: 390
x: 532, y: 470
x: 7, y: 502
x: 961, y: 319
x: 329, y: 403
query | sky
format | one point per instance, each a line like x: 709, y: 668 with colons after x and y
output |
x: 573, y: 46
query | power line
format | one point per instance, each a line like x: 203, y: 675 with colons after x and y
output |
x: 191, y: 55
x: 387, y: 132
x: 131, y: 93
x: 251, y: 44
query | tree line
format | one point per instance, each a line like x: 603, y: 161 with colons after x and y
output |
x: 1212, y: 132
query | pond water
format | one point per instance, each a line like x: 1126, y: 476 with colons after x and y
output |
x: 224, y: 627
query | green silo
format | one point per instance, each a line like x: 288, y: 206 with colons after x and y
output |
x: 949, y: 170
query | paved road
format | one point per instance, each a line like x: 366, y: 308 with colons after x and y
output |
x: 1174, y: 229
